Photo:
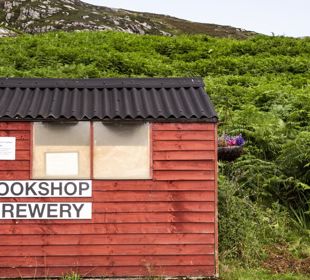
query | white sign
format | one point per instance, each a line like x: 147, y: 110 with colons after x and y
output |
x: 46, y: 188
x: 42, y: 210
x: 7, y: 148
x: 58, y: 164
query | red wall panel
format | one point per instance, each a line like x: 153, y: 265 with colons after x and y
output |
x: 162, y: 226
x: 18, y: 169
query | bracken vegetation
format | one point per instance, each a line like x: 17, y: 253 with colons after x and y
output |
x: 260, y: 87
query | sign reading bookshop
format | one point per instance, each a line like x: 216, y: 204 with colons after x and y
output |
x: 45, y: 210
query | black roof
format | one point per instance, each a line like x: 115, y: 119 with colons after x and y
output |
x: 170, y: 99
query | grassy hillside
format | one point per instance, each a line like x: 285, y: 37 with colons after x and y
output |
x: 260, y: 87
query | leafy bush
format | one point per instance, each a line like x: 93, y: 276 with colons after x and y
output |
x: 245, y: 227
x: 295, y: 157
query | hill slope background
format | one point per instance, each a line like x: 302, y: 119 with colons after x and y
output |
x: 35, y: 16
x: 260, y: 88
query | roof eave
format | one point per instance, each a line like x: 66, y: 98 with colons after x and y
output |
x: 69, y: 120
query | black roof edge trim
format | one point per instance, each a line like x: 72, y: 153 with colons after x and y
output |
x: 152, y: 120
x: 101, y: 83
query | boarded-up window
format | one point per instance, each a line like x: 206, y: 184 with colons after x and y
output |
x: 121, y: 151
x: 61, y: 151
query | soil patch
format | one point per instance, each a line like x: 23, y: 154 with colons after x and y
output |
x: 280, y: 260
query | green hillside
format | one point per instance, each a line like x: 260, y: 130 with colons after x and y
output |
x: 260, y: 87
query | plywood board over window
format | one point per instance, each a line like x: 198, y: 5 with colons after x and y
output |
x: 61, y: 151
x: 121, y: 151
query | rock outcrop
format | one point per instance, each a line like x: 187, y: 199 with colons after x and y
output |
x: 4, y: 32
x: 34, y: 16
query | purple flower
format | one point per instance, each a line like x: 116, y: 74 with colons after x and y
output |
x: 231, y: 142
x: 239, y: 140
x: 227, y: 140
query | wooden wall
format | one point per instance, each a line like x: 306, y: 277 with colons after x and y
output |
x: 163, y: 226
x: 19, y: 168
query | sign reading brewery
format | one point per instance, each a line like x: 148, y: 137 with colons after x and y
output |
x: 45, y: 210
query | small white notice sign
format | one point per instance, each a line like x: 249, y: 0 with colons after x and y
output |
x: 7, y: 148
x: 62, y: 164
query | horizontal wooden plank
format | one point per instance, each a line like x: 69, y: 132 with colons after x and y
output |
x: 183, y: 145
x: 183, y: 175
x: 23, y: 155
x: 106, y: 250
x: 122, y: 196
x: 128, y: 196
x: 113, y: 261
x: 129, y: 207
x: 14, y: 175
x: 95, y: 239
x: 133, y: 196
x: 15, y: 125
x: 183, y: 126
x: 195, y: 206
x: 183, y: 155
x: 183, y: 165
x: 154, y: 207
x: 150, y: 185
x: 23, y: 145
x: 127, y: 271
x: 183, y: 135
x: 14, y: 165
x: 89, y: 228
x: 19, y: 134
x: 119, y: 218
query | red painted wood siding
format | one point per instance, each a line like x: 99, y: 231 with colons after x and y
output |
x: 162, y: 226
x: 18, y: 169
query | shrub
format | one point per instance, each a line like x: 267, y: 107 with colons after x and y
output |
x: 245, y: 228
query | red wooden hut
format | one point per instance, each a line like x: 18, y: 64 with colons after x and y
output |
x: 107, y: 177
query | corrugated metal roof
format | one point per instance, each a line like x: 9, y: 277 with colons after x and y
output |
x: 168, y: 99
